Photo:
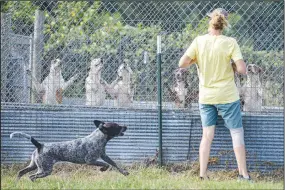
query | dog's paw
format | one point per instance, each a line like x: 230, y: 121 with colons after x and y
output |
x: 125, y: 173
x: 104, y: 168
x: 32, y: 178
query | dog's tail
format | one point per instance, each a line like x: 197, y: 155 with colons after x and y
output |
x: 21, y: 134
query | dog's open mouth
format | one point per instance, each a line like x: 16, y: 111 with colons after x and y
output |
x: 122, y: 131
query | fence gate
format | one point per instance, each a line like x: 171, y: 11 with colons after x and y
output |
x: 16, y: 55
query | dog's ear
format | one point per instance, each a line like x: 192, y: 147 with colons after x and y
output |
x: 101, y: 126
x: 98, y: 123
x: 258, y: 69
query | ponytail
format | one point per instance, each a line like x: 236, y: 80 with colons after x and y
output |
x: 218, y: 21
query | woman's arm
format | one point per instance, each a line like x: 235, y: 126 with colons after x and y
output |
x: 240, y: 66
x: 189, y: 56
x: 185, y: 61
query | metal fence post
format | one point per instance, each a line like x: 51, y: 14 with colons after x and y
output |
x: 32, y: 96
x: 38, y: 46
x: 159, y: 97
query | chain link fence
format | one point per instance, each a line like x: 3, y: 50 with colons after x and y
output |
x: 64, y: 64
x: 93, y: 53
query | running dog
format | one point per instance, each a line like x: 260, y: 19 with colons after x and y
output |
x: 95, y: 90
x: 81, y: 151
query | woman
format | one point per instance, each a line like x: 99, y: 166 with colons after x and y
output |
x: 217, y: 90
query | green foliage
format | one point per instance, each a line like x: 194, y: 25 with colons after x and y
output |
x: 22, y: 15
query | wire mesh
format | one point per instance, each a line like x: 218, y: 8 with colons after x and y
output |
x: 124, y: 33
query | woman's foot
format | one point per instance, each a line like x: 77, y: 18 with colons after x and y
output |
x: 204, y: 178
x: 242, y: 178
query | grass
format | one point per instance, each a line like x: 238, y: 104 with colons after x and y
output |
x: 71, y: 176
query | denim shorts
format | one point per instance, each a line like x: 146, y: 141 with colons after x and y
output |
x: 230, y: 113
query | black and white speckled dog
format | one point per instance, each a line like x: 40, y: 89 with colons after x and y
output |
x: 82, y: 151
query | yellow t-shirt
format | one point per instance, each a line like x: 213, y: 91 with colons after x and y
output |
x: 216, y: 76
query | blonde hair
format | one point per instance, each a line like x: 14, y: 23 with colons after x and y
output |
x: 218, y: 21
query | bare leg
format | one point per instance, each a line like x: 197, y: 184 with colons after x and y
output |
x: 241, y: 160
x: 239, y: 149
x: 205, y: 147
